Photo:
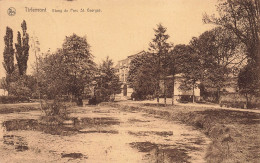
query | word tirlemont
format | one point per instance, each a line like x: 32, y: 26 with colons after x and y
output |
x: 31, y: 9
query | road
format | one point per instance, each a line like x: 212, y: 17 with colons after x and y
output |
x: 99, y: 134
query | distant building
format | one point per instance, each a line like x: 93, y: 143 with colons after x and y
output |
x: 3, y: 92
x: 123, y: 69
x: 180, y: 94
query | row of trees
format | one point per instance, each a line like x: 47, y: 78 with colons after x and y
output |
x: 70, y: 71
x: 214, y: 58
x: 16, y: 81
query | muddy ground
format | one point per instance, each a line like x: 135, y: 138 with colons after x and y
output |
x: 98, y: 134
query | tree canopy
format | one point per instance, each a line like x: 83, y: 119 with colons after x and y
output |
x: 69, y: 70
x: 108, y: 83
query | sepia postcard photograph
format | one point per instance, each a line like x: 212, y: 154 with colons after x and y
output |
x: 130, y: 81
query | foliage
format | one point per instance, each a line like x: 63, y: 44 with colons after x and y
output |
x: 55, y: 112
x: 248, y: 83
x: 218, y: 56
x: 161, y: 50
x: 143, y: 76
x: 22, y: 49
x: 23, y: 86
x: 68, y: 71
x: 51, y: 74
x: 189, y: 66
x: 8, y: 52
x: 79, y: 65
x: 13, y: 99
x: 108, y: 83
x: 247, y: 80
x: 19, y: 86
x: 3, y: 83
x: 54, y: 108
x: 241, y: 17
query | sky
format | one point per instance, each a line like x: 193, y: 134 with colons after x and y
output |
x: 117, y: 29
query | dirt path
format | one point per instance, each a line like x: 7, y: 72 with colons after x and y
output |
x: 195, y: 105
x: 99, y: 134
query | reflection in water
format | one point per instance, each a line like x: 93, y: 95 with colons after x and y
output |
x: 161, y: 152
x: 73, y: 155
x: 61, y: 129
x: 17, y: 141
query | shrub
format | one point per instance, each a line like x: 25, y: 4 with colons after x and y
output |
x: 55, y: 111
x: 236, y: 100
x: 94, y: 100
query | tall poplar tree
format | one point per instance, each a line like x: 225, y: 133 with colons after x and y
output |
x: 8, y: 52
x: 22, y: 49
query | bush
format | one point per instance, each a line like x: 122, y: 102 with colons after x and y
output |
x: 55, y: 108
x: 139, y: 96
x: 94, y: 100
x: 237, y: 100
x: 233, y: 104
x: 13, y: 99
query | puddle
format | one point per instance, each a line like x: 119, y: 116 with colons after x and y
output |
x: 162, y: 153
x: 73, y: 155
x: 62, y: 129
x: 147, y: 133
x: 133, y: 120
x: 100, y: 121
x: 100, y: 131
x: 18, y: 142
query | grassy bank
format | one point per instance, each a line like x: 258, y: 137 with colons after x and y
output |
x: 234, y: 134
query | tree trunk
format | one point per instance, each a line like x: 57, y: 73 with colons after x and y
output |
x: 164, y: 91
x: 246, y: 101
x: 218, y: 95
x: 193, y: 96
x: 79, y: 101
x: 158, y: 93
x: 173, y: 89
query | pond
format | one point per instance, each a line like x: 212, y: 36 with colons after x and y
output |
x: 98, y: 134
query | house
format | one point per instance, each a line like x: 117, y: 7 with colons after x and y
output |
x: 181, y: 94
x: 122, y: 70
x: 3, y: 92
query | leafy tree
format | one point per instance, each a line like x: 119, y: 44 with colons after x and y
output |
x: 20, y: 85
x: 142, y: 76
x: 8, y: 52
x: 246, y: 82
x: 189, y: 66
x: 51, y: 75
x: 22, y: 49
x: 25, y: 86
x: 78, y: 60
x: 108, y: 83
x: 69, y: 70
x: 3, y: 83
x: 241, y: 17
x: 220, y: 55
x: 161, y: 49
